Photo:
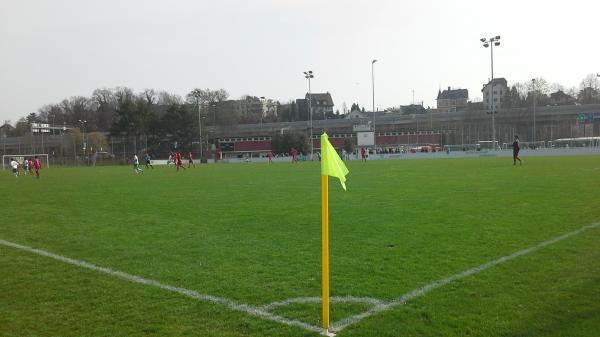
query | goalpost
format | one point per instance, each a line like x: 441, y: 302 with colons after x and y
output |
x: 21, y: 157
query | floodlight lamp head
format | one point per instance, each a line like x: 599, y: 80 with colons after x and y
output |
x: 497, y: 43
x: 486, y: 44
x: 497, y: 37
x: 482, y: 39
x: 374, y: 60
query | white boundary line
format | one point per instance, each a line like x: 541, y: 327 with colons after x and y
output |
x: 342, y: 324
x: 254, y: 311
x: 263, y: 312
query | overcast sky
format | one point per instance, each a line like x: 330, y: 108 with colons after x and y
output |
x: 51, y: 50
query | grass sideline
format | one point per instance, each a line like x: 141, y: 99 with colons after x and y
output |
x: 251, y: 232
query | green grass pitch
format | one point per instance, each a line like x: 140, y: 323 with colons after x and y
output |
x: 251, y: 233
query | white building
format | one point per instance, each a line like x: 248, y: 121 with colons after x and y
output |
x: 499, y: 88
x: 452, y: 99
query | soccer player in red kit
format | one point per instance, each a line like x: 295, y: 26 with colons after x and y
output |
x: 270, y: 156
x: 30, y: 165
x: 294, y: 154
x: 190, y: 160
x: 37, y: 165
x: 179, y: 161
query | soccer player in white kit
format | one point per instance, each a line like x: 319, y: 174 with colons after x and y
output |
x: 15, y: 167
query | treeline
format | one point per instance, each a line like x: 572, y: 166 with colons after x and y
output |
x: 118, y: 110
x: 123, y: 112
x: 155, y: 116
x: 522, y: 94
x: 158, y: 114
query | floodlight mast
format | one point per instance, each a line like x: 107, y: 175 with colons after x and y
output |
x: 373, y: 86
x: 308, y: 75
x: 533, y: 82
x: 491, y: 42
x: 83, y: 122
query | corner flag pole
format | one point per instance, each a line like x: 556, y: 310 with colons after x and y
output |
x: 325, y: 247
x: 331, y: 165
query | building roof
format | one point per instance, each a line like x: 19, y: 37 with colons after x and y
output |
x: 321, y: 99
x: 559, y: 95
x: 413, y: 109
x: 496, y: 81
x: 453, y: 94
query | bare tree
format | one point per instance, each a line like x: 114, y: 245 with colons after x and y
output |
x: 521, y: 89
x: 590, y: 81
x: 78, y: 108
x: 554, y: 87
x: 220, y: 95
x: 123, y: 94
x: 149, y: 95
x: 196, y: 96
x: 539, y: 85
x: 103, y: 96
x: 166, y: 98
x: 105, y: 104
x: 590, y: 90
x: 205, y: 96
x: 52, y: 113
x: 572, y: 91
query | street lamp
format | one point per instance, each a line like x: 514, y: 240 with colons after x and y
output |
x: 308, y: 75
x: 83, y: 122
x: 491, y: 42
x: 214, y: 109
x: 199, y: 126
x: 373, y: 96
x: 263, y: 101
x: 534, y: 93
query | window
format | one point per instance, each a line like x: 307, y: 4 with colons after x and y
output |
x: 495, y: 99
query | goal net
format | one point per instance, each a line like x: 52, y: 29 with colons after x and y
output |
x: 20, y: 158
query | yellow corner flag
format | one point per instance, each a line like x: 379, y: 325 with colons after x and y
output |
x: 331, y: 163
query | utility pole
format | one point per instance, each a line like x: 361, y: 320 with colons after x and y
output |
x: 534, y: 97
x: 199, y: 126
x: 82, y: 122
x: 373, y: 86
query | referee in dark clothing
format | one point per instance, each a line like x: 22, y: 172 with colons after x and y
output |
x: 516, y: 149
